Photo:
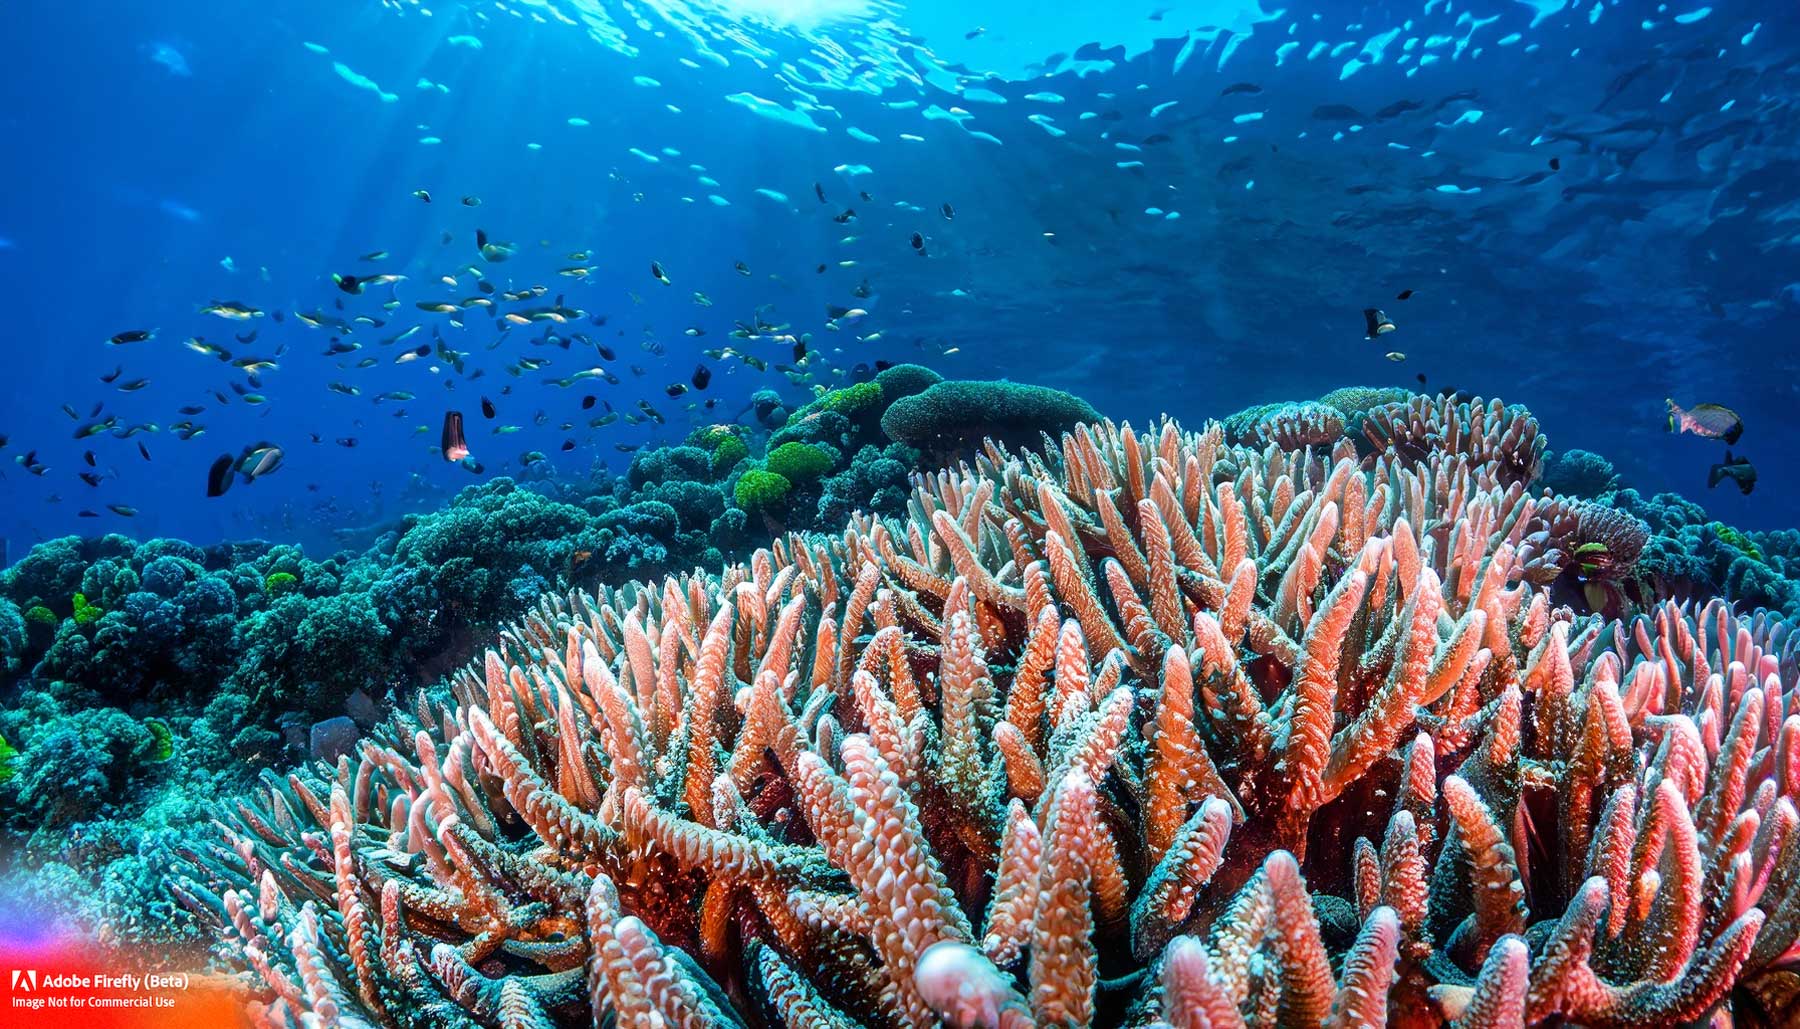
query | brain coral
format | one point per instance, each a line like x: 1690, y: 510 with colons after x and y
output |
x: 1288, y: 426
x: 1146, y: 730
x: 958, y: 414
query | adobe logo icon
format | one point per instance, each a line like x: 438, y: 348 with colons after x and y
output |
x: 24, y: 980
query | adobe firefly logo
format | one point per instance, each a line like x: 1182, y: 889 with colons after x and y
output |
x: 24, y: 980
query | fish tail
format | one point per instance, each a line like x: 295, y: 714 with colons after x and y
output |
x: 1714, y: 475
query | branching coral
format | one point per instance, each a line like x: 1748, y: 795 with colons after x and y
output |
x: 1505, y: 439
x: 1148, y: 730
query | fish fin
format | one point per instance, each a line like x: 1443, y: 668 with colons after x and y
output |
x: 1732, y: 434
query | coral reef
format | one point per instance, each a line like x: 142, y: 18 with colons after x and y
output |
x: 1689, y: 555
x: 955, y: 416
x: 247, y: 655
x: 1288, y: 426
x: 1355, y: 401
x: 1579, y: 473
x: 1505, y: 439
x: 1146, y: 730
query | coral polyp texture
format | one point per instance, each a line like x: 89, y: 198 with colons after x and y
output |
x: 1144, y: 729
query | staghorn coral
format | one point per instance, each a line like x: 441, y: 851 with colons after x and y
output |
x: 1505, y: 439
x: 1147, y: 731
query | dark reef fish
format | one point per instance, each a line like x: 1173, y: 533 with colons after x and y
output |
x: 1738, y: 469
x: 454, y: 446
x: 1376, y: 322
x: 219, y: 477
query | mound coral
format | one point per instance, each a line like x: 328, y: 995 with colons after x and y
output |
x: 1579, y: 473
x: 956, y: 415
x: 1147, y: 730
x: 757, y: 490
x: 1355, y: 401
x: 1288, y: 426
x: 799, y: 462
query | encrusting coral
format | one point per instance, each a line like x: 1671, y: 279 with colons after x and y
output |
x: 1144, y: 730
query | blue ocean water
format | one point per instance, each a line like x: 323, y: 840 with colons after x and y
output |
x: 1161, y: 207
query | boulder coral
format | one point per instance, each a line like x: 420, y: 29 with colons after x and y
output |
x: 1145, y: 729
x: 956, y: 415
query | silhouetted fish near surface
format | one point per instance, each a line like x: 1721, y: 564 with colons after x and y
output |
x: 133, y: 336
x: 702, y: 376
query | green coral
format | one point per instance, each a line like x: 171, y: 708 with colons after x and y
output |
x: 903, y: 380
x: 728, y: 453
x: 1736, y: 539
x: 85, y: 613
x: 280, y: 582
x: 7, y: 756
x: 836, y: 417
x: 758, y: 489
x: 799, y: 462
x: 41, y: 615
x: 162, y: 746
x: 724, y: 444
x: 852, y: 399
